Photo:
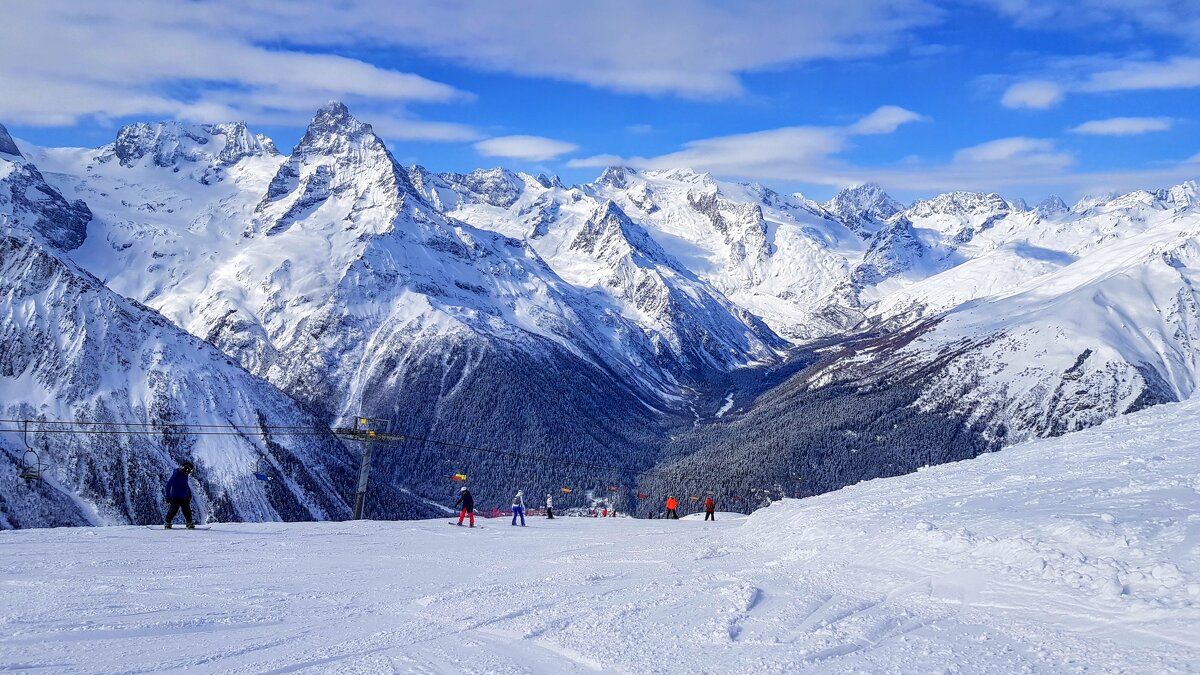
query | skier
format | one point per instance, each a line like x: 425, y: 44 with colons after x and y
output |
x: 468, y: 506
x: 671, y: 506
x: 518, y: 507
x: 710, y: 508
x: 179, y: 495
x: 549, y: 507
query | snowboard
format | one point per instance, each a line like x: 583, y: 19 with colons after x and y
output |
x: 456, y: 525
x: 179, y: 527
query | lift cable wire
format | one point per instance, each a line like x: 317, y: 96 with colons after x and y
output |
x: 156, y: 429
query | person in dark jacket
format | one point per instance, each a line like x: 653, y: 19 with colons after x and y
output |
x: 179, y: 495
x: 468, y: 506
x: 710, y: 508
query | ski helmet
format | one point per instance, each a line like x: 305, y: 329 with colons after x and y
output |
x: 188, y: 467
x: 463, y: 489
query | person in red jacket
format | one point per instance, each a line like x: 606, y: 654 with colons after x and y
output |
x: 710, y: 509
x: 671, y: 506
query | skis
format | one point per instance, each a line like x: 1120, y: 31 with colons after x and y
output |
x: 180, y: 527
x: 461, y: 525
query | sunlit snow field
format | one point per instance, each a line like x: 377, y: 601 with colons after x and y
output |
x: 1074, y: 554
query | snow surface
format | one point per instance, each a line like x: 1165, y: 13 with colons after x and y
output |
x: 1080, y: 553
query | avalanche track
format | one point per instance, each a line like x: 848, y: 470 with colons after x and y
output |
x: 1080, y: 553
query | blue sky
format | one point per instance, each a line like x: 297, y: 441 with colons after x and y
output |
x: 1021, y: 97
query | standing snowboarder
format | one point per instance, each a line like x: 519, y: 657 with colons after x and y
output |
x: 179, y: 495
x: 671, y: 506
x: 518, y: 507
x: 549, y: 507
x: 468, y: 506
x: 710, y: 508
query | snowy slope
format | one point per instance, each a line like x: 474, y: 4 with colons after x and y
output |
x: 1079, y: 553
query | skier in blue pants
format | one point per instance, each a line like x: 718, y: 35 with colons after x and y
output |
x: 518, y: 507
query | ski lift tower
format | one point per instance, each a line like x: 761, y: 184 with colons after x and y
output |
x: 368, y: 431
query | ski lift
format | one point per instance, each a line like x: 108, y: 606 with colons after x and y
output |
x: 260, y: 469
x: 31, y: 466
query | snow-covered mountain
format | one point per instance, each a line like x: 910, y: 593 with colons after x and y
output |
x: 72, y: 349
x: 510, y: 310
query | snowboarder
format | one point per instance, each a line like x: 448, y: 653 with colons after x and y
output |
x: 710, y: 508
x: 518, y: 507
x: 671, y: 506
x: 179, y: 495
x: 549, y: 507
x: 468, y: 506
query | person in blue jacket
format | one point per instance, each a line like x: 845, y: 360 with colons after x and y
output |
x: 179, y: 495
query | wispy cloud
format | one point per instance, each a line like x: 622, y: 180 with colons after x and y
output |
x: 189, y: 60
x: 1130, y: 75
x: 1110, y: 18
x: 529, y: 148
x: 788, y: 153
x: 1124, y: 126
x: 884, y: 120
x: 1033, y: 94
x: 259, y: 60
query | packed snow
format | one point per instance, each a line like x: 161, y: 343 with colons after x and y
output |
x: 1080, y: 553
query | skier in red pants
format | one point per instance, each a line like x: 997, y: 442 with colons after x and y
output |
x: 468, y: 506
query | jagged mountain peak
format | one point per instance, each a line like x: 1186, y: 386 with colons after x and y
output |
x: 333, y: 130
x: 7, y: 145
x: 167, y: 144
x: 1182, y: 196
x: 866, y: 202
x: 616, y: 177
x: 1090, y: 201
x: 960, y: 203
x: 339, y: 160
x: 549, y: 181
x: 1051, y: 207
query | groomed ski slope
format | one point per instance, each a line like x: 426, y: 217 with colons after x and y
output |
x: 1076, y: 554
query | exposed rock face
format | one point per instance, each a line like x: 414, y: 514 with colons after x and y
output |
x: 28, y: 203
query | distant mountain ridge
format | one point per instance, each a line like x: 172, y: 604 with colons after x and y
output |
x: 644, y: 306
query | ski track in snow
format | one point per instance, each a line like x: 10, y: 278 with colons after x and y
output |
x: 1074, y: 554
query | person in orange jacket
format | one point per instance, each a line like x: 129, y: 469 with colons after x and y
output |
x: 671, y: 506
x: 710, y: 508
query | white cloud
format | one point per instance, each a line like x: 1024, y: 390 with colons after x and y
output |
x: 529, y: 148
x: 787, y: 153
x: 1176, y: 73
x: 885, y: 120
x: 185, y: 60
x: 1124, y: 126
x: 271, y: 62
x: 1102, y: 76
x: 690, y: 48
x: 1009, y: 149
x: 1116, y: 19
x: 1034, y: 94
